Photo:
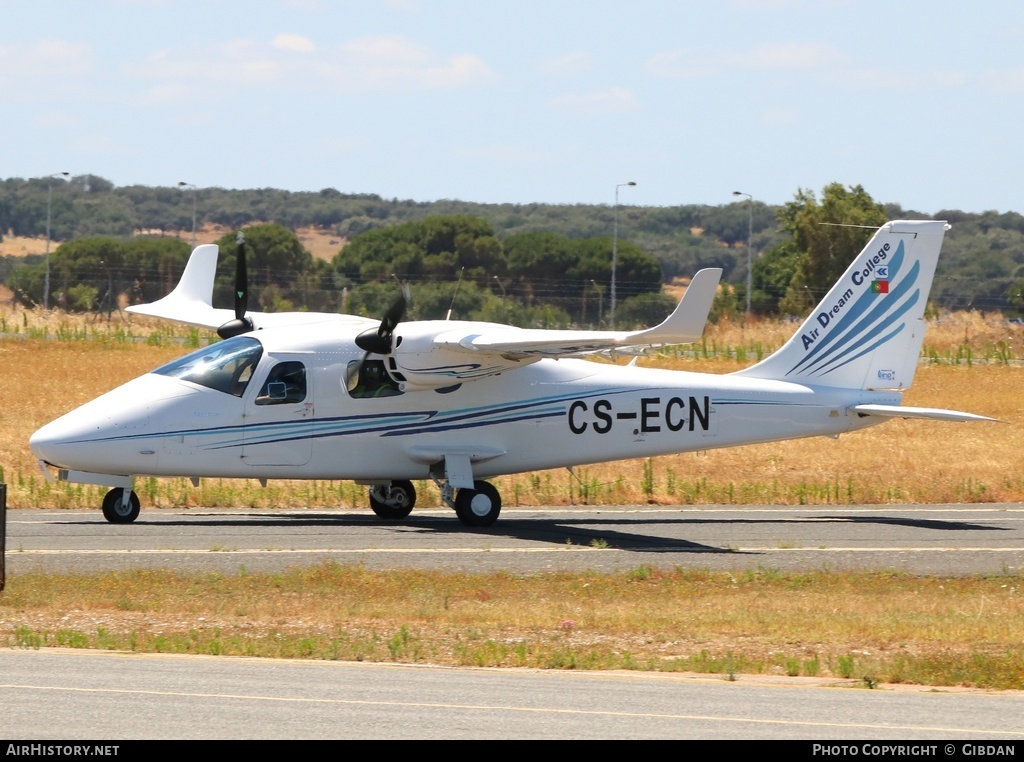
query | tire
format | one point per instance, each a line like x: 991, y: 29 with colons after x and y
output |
x: 115, y: 512
x: 478, y: 507
x: 394, y: 503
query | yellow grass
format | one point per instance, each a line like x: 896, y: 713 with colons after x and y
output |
x: 870, y: 627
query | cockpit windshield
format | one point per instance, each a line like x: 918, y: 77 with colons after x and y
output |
x: 226, y: 366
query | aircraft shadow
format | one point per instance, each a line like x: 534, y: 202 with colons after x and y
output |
x: 562, y: 532
x: 958, y: 526
x: 554, y: 531
x: 625, y: 534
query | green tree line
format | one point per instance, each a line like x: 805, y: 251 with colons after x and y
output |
x: 448, y: 263
x: 524, y: 263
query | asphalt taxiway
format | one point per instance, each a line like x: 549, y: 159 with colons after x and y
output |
x: 935, y: 539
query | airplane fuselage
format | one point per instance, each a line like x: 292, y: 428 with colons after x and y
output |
x: 549, y: 414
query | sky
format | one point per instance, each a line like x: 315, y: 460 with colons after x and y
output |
x: 921, y: 102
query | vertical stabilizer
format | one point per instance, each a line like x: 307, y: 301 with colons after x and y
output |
x: 867, y: 331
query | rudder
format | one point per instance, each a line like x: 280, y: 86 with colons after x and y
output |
x: 867, y: 331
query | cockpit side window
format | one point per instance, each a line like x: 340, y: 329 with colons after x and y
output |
x: 285, y: 384
x: 368, y: 378
x: 226, y: 366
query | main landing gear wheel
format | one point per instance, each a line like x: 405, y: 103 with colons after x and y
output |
x: 478, y: 507
x: 395, y: 502
x: 114, y: 509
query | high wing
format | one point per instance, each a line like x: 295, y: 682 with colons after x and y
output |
x: 433, y: 354
x: 684, y: 326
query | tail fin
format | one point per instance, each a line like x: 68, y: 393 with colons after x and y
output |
x: 867, y: 331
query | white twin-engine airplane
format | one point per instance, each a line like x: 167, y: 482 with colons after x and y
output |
x: 327, y: 396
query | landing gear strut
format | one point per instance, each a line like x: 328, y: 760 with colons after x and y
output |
x: 121, y: 506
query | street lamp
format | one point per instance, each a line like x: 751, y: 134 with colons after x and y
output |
x: 750, y: 236
x: 183, y: 184
x: 502, y: 287
x: 49, y: 204
x: 615, y: 246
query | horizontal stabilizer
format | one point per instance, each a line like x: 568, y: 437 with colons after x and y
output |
x: 932, y: 413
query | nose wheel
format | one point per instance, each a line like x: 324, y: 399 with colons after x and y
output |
x: 121, y: 506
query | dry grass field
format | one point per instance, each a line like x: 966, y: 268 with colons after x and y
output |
x: 867, y: 628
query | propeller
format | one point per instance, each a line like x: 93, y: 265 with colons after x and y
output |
x: 378, y: 340
x: 241, y: 324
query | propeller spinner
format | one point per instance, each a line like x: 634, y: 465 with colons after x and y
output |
x: 241, y: 324
x: 378, y: 340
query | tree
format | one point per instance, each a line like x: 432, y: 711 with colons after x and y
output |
x: 1015, y: 296
x: 538, y: 261
x: 435, y: 247
x: 482, y: 255
x: 143, y: 268
x: 636, y: 272
x: 437, y: 234
x: 154, y: 266
x: 644, y: 310
x: 828, y: 236
x: 772, y: 275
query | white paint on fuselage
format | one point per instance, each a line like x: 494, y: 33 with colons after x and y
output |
x: 548, y: 414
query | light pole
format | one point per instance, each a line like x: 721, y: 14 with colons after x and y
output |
x: 615, y: 246
x: 750, y: 237
x: 49, y: 204
x: 183, y: 184
x: 502, y: 287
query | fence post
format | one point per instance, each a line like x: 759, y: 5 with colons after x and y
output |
x: 3, y: 535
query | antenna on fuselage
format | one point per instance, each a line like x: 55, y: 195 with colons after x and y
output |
x: 457, y: 285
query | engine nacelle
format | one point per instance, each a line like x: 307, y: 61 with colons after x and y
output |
x: 421, y: 360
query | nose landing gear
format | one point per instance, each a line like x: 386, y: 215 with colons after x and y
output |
x: 121, y: 506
